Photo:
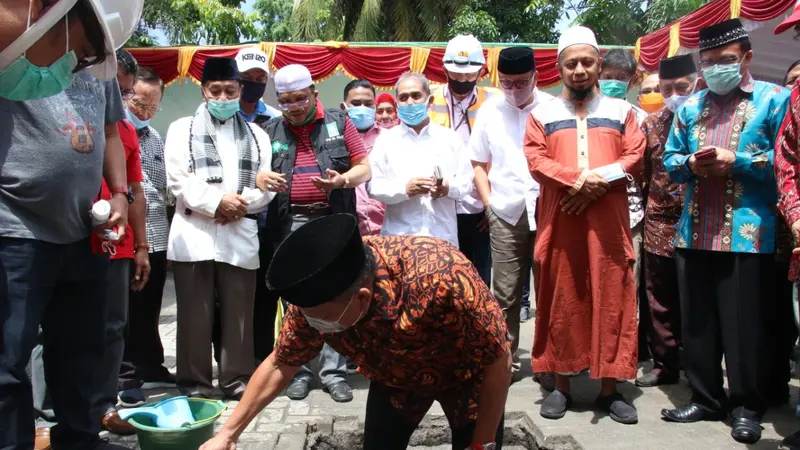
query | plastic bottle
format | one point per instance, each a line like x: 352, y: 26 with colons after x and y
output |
x: 101, y: 211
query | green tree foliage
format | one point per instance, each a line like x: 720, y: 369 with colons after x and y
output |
x: 375, y: 20
x: 663, y: 12
x: 509, y: 21
x: 192, y: 22
x: 275, y: 20
x: 141, y: 38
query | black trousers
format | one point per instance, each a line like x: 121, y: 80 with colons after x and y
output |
x: 723, y: 297
x: 664, y: 329
x: 781, y: 336
x: 144, y: 354
x: 386, y: 428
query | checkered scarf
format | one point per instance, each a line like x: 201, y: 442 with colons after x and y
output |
x: 205, y: 160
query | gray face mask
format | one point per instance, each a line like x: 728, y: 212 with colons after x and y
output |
x: 324, y: 326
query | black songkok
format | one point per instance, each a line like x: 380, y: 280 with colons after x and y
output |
x: 221, y: 69
x: 516, y: 61
x: 318, y: 262
x: 723, y: 33
x: 676, y: 67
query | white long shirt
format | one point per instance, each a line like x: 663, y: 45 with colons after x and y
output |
x: 196, y: 236
x: 471, y: 203
x: 497, y: 137
x: 400, y: 155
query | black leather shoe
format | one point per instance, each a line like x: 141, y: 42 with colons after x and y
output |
x: 746, y: 431
x: 555, y: 405
x: 791, y: 442
x: 340, y: 392
x: 652, y: 379
x: 691, y: 413
x: 298, y: 389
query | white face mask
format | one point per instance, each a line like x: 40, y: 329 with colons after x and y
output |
x: 612, y: 172
x: 325, y: 326
x: 676, y: 101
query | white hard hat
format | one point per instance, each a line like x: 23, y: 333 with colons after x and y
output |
x: 464, y: 55
x: 119, y: 20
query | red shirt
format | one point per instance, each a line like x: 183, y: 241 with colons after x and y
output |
x: 303, y: 191
x: 130, y: 141
x: 787, y: 172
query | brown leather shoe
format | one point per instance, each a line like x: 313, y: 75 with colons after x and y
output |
x: 114, y: 424
x: 42, y: 441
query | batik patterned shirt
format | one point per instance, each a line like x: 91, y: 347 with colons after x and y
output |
x: 736, y: 212
x: 664, y: 196
x: 787, y: 170
x: 432, y: 327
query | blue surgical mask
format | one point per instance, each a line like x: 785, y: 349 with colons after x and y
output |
x: 223, y: 109
x: 135, y: 121
x: 363, y: 117
x: 614, y: 88
x: 723, y: 78
x: 414, y: 114
x: 22, y: 80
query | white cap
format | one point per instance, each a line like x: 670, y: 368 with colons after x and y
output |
x: 293, y: 77
x: 251, y: 58
x: 119, y: 20
x: 464, y: 55
x: 577, y: 36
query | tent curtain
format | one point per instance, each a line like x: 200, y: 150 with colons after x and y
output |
x: 660, y: 43
x: 381, y: 65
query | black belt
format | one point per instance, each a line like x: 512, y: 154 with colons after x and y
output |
x: 313, y: 209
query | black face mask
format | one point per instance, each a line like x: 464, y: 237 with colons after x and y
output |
x: 461, y: 87
x: 252, y: 91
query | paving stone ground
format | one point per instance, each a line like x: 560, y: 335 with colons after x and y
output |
x: 285, y: 423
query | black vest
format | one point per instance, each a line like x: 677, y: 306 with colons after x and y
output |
x: 328, y: 143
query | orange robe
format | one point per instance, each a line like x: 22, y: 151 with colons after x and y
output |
x: 585, y: 294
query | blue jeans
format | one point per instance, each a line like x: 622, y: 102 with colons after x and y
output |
x: 62, y: 288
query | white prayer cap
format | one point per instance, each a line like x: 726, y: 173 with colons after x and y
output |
x: 293, y: 77
x: 577, y: 36
x: 251, y: 58
x: 464, y: 54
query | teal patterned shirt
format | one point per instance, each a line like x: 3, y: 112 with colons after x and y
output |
x: 737, y: 212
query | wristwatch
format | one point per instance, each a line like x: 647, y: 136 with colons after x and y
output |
x: 124, y: 190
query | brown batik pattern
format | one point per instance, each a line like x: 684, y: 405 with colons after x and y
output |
x: 431, y: 329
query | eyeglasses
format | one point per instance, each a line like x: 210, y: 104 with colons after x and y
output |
x: 515, y: 84
x: 142, y: 107
x: 127, y: 94
x: 290, y: 106
x: 727, y: 60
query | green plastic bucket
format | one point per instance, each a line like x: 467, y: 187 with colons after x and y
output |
x: 191, y: 437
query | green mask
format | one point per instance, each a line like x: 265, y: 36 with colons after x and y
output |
x: 223, y: 109
x: 614, y: 88
x: 24, y: 81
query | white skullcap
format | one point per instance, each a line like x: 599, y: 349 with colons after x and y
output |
x: 293, y: 77
x: 251, y: 58
x: 577, y: 36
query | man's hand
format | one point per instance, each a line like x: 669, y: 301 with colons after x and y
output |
x: 142, y: 272
x: 419, y: 186
x: 440, y: 190
x: 594, y: 186
x: 575, y: 204
x: 723, y: 163
x: 796, y: 235
x: 271, y: 181
x: 231, y: 207
x: 118, y: 220
x: 335, y: 180
x: 483, y: 224
x: 218, y: 442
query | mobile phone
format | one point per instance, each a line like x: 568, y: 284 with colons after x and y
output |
x: 705, y: 154
x: 437, y: 174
